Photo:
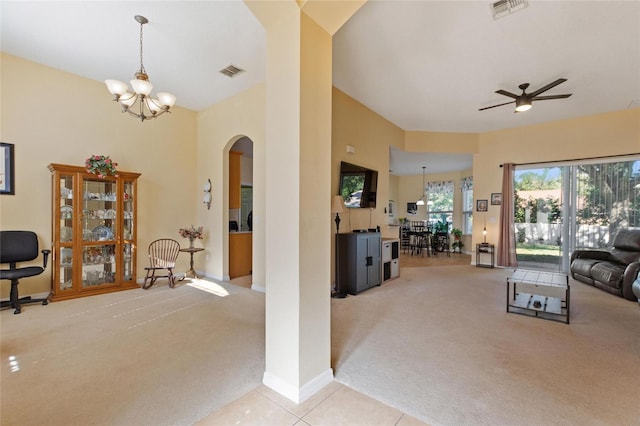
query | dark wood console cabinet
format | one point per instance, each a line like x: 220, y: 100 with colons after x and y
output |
x: 359, y: 261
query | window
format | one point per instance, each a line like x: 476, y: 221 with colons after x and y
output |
x: 607, y: 200
x: 466, y: 186
x: 440, y: 203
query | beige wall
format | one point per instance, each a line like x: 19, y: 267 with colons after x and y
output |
x: 56, y: 117
x: 371, y: 135
x: 219, y: 127
x: 454, y: 143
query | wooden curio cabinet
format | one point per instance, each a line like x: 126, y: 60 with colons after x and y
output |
x: 94, y: 232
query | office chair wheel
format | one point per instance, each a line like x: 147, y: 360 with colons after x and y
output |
x: 17, y: 311
x: 45, y: 302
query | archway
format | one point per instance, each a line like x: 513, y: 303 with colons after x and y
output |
x: 240, y: 242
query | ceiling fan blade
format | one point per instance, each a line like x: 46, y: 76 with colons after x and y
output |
x: 547, y: 87
x: 493, y: 106
x: 505, y: 93
x: 543, y: 98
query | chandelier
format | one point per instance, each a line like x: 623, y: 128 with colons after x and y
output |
x: 139, y: 103
x: 420, y: 202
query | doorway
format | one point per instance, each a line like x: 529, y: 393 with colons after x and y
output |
x: 240, y: 211
x: 577, y: 205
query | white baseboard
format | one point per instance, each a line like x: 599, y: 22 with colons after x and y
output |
x: 218, y: 278
x: 260, y: 288
x: 298, y: 395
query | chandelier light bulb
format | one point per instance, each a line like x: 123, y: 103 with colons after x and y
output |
x: 166, y: 99
x: 127, y: 99
x: 116, y: 87
x: 141, y: 87
x: 154, y: 105
x: 140, y: 104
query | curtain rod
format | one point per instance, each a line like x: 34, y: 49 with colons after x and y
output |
x: 577, y: 159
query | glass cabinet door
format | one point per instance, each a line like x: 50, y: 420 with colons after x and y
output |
x: 66, y: 209
x: 99, y: 218
x: 65, y: 280
x: 65, y: 232
x: 128, y: 264
x: 98, y: 265
x: 128, y: 201
x: 129, y: 207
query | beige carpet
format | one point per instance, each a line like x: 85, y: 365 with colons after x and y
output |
x: 139, y: 357
x: 438, y: 344
x: 435, y: 343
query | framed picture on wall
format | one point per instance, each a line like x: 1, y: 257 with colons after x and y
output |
x: 496, y: 199
x: 7, y: 173
x: 482, y: 205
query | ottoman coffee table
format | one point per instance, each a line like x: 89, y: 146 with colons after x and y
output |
x: 539, y: 293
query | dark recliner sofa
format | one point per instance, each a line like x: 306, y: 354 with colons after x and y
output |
x: 612, y: 270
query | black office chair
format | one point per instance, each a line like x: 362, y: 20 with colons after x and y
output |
x: 20, y: 246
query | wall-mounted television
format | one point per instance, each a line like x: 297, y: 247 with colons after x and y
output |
x: 358, y: 186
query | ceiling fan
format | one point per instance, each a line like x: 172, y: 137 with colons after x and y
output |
x: 524, y: 100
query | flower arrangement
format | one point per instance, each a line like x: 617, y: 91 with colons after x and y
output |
x: 101, y: 165
x: 191, y: 232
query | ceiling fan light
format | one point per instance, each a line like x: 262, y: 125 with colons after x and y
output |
x: 523, y: 105
x: 523, y: 108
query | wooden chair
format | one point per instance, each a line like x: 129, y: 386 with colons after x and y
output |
x: 162, y: 256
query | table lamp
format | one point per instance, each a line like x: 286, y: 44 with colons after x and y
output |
x: 484, y: 233
x: 337, y: 208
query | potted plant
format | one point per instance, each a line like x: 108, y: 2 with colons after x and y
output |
x: 101, y: 165
x: 457, y: 240
x: 191, y: 232
x: 441, y: 227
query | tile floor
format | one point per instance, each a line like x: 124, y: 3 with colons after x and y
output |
x: 334, y: 405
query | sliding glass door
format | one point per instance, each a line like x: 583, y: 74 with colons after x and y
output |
x: 539, y: 217
x: 559, y: 208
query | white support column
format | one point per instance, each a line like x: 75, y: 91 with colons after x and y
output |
x: 298, y: 199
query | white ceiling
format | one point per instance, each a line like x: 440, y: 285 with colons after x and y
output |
x: 423, y: 65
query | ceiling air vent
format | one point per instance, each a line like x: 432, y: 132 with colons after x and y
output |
x: 231, y: 71
x: 502, y: 8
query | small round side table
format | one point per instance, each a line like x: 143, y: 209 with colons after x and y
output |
x: 191, y: 251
